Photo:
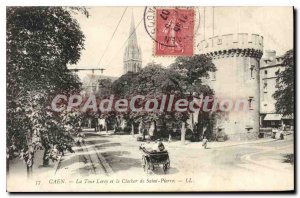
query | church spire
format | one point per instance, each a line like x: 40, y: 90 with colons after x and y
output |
x: 132, y: 33
x: 132, y: 55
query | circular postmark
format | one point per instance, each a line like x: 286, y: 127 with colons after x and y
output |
x: 173, y: 27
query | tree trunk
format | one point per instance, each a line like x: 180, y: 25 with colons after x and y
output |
x: 45, y: 158
x: 29, y: 171
x: 141, y: 128
x: 30, y: 162
x: 132, y: 129
x: 106, y: 129
x: 7, y: 166
x: 183, y: 130
x: 143, y: 131
x: 200, y: 125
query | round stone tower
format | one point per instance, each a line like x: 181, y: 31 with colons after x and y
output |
x: 237, y: 59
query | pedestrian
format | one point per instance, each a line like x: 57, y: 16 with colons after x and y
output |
x: 96, y: 124
x: 158, y: 146
x: 89, y: 123
x: 170, y: 135
x: 195, y: 132
x: 152, y: 130
x: 281, y: 135
x: 99, y: 124
x: 204, y: 142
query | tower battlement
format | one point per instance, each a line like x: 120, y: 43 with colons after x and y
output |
x: 241, y: 44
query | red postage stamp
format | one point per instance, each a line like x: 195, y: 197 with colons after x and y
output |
x: 174, y: 32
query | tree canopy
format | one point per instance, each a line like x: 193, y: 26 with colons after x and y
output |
x: 284, y: 95
x: 41, y: 42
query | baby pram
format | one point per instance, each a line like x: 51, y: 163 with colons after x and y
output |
x: 152, y: 159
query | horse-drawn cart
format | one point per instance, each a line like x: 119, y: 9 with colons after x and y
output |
x: 152, y: 159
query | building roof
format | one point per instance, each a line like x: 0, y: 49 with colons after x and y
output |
x: 273, y: 117
x: 288, y: 117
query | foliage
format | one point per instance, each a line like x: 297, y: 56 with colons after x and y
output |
x: 105, y: 88
x: 41, y: 42
x: 194, y: 69
x: 284, y: 95
x: 124, y: 85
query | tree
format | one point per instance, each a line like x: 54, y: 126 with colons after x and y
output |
x: 123, y: 86
x: 193, y: 69
x: 105, y: 88
x: 153, y: 82
x: 284, y: 95
x: 41, y: 42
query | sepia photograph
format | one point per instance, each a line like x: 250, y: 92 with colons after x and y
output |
x: 150, y: 99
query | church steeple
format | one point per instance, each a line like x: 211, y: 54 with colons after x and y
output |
x: 132, y: 33
x: 132, y: 55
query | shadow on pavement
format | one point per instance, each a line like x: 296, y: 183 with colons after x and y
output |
x: 107, y: 145
x: 118, y: 162
x: 159, y: 171
x: 96, y: 141
x: 91, y: 135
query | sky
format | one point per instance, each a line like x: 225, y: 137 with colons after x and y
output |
x: 275, y: 24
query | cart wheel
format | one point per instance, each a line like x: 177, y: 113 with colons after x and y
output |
x: 152, y: 167
x: 143, y: 162
x: 148, y: 166
x: 145, y: 165
x: 166, y: 166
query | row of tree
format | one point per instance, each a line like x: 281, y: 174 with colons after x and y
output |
x: 183, y: 79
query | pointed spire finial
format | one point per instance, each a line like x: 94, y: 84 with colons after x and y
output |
x: 132, y: 55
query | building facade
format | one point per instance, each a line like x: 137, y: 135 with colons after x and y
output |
x: 132, y: 60
x: 271, y: 66
x: 237, y: 59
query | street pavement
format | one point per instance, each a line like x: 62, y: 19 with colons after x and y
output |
x: 255, y: 165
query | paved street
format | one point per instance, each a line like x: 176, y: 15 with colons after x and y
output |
x: 244, y: 166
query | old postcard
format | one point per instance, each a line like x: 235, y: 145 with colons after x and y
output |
x: 150, y: 99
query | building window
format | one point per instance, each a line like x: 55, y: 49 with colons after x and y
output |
x: 250, y: 100
x: 249, y: 129
x: 277, y: 72
x: 213, y: 76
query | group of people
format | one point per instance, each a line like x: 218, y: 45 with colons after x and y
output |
x: 97, y: 123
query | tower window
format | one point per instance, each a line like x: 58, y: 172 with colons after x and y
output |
x: 252, y: 71
x: 265, y: 87
x: 250, y: 100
